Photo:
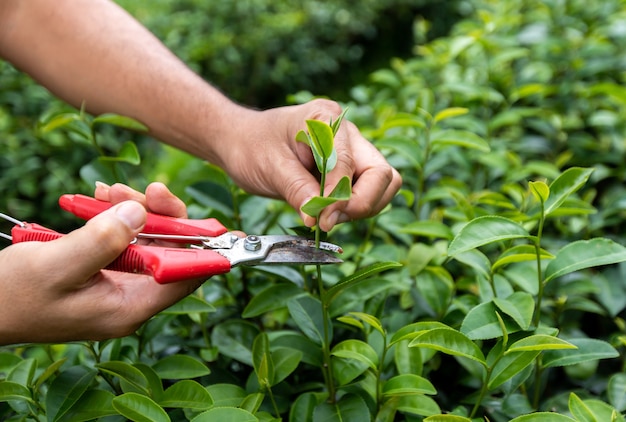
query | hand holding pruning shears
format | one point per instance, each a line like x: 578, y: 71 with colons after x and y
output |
x: 56, y: 291
x: 60, y: 292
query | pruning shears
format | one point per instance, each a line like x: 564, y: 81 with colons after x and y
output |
x: 211, y: 248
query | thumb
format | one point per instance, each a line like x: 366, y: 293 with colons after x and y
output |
x: 87, y: 250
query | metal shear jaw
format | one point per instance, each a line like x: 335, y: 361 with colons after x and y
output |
x: 279, y: 249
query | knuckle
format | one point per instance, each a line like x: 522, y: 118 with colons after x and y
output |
x: 325, y: 108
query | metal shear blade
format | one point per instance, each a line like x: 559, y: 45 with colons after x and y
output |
x: 299, y: 255
x: 279, y: 249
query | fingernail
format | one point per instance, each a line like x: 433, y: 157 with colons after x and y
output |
x: 132, y: 214
x: 101, y: 185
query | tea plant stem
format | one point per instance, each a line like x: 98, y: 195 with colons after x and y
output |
x: 273, y: 400
x: 537, y: 392
x: 537, y: 315
x: 327, y: 369
x: 421, y: 175
x: 485, y: 387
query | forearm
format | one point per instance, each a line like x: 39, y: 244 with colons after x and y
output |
x: 93, y: 52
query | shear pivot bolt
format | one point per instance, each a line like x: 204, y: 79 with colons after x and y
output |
x: 252, y: 243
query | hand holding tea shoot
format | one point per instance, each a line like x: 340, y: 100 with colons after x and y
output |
x: 320, y: 138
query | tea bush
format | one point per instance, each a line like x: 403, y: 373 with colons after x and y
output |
x: 491, y: 288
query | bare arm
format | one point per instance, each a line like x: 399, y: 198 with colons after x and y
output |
x: 92, y: 51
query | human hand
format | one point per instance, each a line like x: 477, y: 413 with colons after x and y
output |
x: 263, y: 158
x: 56, y: 291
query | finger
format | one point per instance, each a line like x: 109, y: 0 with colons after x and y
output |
x: 120, y: 192
x: 95, y: 245
x: 160, y: 200
x: 374, y: 185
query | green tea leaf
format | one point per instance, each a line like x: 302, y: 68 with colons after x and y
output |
x: 321, y: 136
x: 540, y: 190
x: 357, y: 277
x: 316, y: 204
x: 306, y: 312
x: 539, y: 342
x: 234, y: 339
x: 481, y: 323
x: 411, y: 331
x: 358, y: 350
x: 303, y: 137
x: 304, y: 406
x: 587, y: 349
x: 274, y: 297
x: 13, y: 391
x: 70, y: 121
x: 23, y: 372
x: 126, y: 372
x: 520, y: 253
x: 448, y: 113
x: 451, y: 342
x: 252, y: 402
x: 418, y: 404
x: 188, y: 305
x: 543, y: 417
x: 345, y: 371
x: 120, y: 121
x: 563, y: 186
x: 186, y: 394
x: 348, y: 408
x: 50, y: 370
x: 341, y: 192
x: 616, y: 391
x: 519, y: 306
x: 262, y: 361
x: 180, y: 367
x: 460, y: 138
x: 436, y: 286
x: 447, y: 418
x: 226, y: 395
x: 139, y: 408
x: 579, y: 409
x: 337, y: 123
x: 407, y: 384
x: 94, y: 404
x: 128, y: 154
x: 585, y: 254
x: 286, y: 360
x: 428, y: 228
x: 371, y: 320
x: 408, y: 360
x: 225, y: 414
x: 485, y: 230
x: 509, y: 366
x: 66, y: 390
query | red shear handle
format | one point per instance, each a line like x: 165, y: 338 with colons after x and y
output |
x: 86, y: 207
x: 166, y: 265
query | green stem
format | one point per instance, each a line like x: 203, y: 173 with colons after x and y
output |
x: 537, y: 315
x: 273, y: 400
x: 327, y: 368
x: 484, y: 388
x: 537, y: 382
x: 379, y: 373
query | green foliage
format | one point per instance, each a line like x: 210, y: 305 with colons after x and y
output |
x: 491, y: 288
x: 259, y: 51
